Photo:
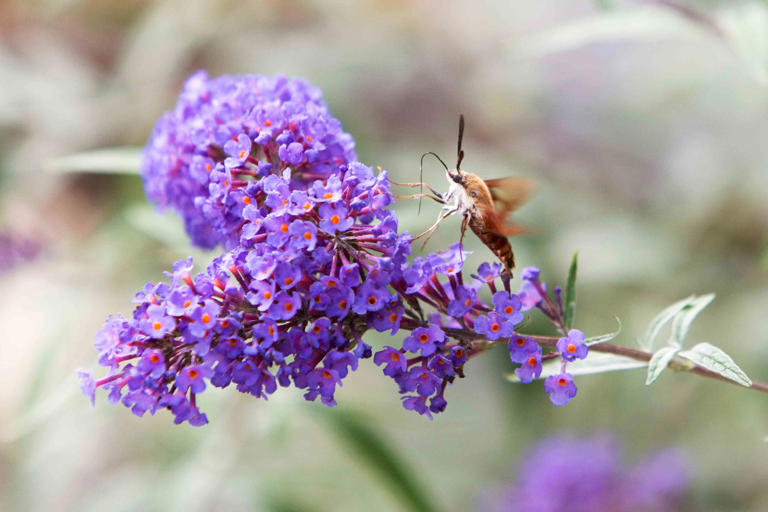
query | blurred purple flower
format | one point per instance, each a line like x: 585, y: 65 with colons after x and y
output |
x: 586, y: 475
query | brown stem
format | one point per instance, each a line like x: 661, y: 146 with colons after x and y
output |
x: 677, y: 363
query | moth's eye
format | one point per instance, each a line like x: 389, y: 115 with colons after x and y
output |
x: 473, y: 193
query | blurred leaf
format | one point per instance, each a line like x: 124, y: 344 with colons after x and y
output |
x: 283, y: 504
x: 596, y: 362
x: 120, y: 160
x: 643, y: 22
x: 682, y: 321
x: 746, y: 29
x: 594, y: 340
x: 374, y: 450
x: 569, y: 308
x: 165, y: 227
x: 604, y: 4
x: 659, y: 362
x: 658, y: 322
x: 714, y: 359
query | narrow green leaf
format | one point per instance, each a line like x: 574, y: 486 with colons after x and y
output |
x: 594, y: 340
x: 659, y: 362
x: 714, y: 359
x: 119, y: 160
x: 362, y: 438
x: 165, y: 227
x: 596, y: 362
x: 569, y: 308
x: 682, y: 321
x: 286, y: 504
x: 659, y: 321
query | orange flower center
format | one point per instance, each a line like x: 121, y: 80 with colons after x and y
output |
x: 289, y: 306
x: 284, y: 228
x: 335, y: 220
x: 157, y: 326
x: 509, y: 310
x: 267, y: 295
x: 308, y: 235
x: 423, y: 338
x: 205, y: 318
x: 495, y: 327
x: 154, y: 358
x: 571, y: 348
x: 561, y: 382
x: 372, y: 300
x: 193, y: 374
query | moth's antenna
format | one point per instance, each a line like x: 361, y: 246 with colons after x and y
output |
x: 421, y: 173
x: 459, y: 152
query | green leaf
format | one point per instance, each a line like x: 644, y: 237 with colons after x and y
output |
x: 119, y: 160
x: 714, y: 359
x: 682, y: 321
x: 596, y: 362
x: 165, y: 227
x: 660, y: 320
x: 569, y: 308
x: 362, y: 438
x: 594, y: 340
x: 659, y: 362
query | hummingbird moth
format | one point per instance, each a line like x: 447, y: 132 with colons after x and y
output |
x: 484, y: 205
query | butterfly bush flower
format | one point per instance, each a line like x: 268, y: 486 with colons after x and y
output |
x: 587, y: 474
x: 572, y: 347
x: 224, y: 132
x: 313, y: 260
x: 274, y: 311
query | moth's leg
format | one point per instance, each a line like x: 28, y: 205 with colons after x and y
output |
x: 464, y: 224
x: 444, y: 214
x: 437, y: 198
x: 413, y: 185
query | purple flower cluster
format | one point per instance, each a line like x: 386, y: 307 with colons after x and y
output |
x: 523, y: 350
x: 313, y: 261
x: 288, y: 305
x: 429, y: 359
x: 224, y: 132
x: 567, y: 473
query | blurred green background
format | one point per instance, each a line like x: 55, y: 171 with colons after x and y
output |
x: 643, y: 123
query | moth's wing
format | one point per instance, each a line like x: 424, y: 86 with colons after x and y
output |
x: 508, y: 195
